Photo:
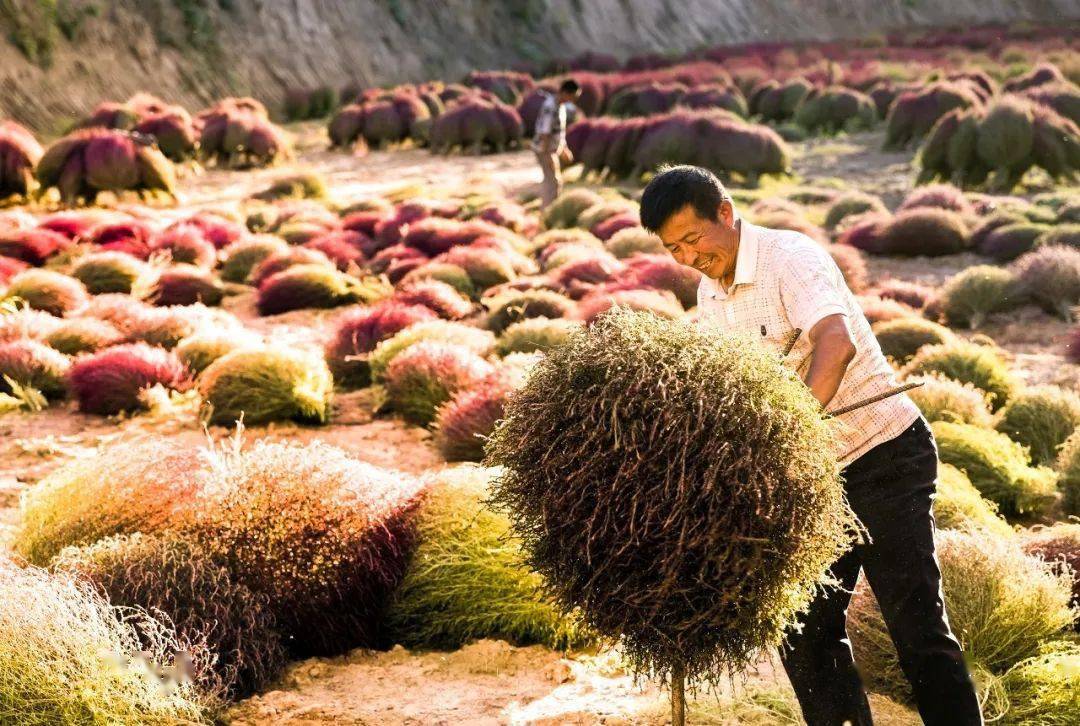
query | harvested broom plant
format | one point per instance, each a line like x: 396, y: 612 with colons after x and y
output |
x: 468, y: 579
x: 1041, y: 418
x: 260, y: 385
x: 648, y: 512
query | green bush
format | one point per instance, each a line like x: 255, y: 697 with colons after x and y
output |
x: 82, y: 335
x: 616, y: 492
x: 426, y: 375
x: 30, y: 364
x: 958, y: 505
x: 1003, y: 605
x: 1050, y: 277
x: 634, y: 240
x: 1041, y: 418
x: 1045, y: 689
x: 943, y: 399
x: 902, y: 338
x: 259, y: 385
x: 1068, y: 467
x: 476, y: 340
x: 515, y: 306
x: 972, y: 294
x: 69, y: 657
x: 198, y: 351
x: 48, y: 291
x: 850, y: 204
x: 981, y: 366
x: 998, y: 467
x: 563, y: 212
x: 468, y: 579
x: 535, y: 334
x: 241, y: 257
x: 104, y: 272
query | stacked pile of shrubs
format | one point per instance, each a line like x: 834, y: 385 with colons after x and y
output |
x: 169, y: 125
x: 19, y: 155
x: 238, y: 133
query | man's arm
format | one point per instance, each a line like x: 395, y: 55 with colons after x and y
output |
x: 833, y: 351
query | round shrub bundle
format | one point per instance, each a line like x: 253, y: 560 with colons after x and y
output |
x: 427, y: 374
x: 634, y: 240
x: 937, y: 196
x: 1041, y: 418
x: 836, y: 108
x: 9, y: 267
x: 112, y: 381
x: 108, y: 271
x: 241, y: 138
x: 220, y: 230
x: 19, y: 154
x: 467, y: 578
x: 958, y: 505
x: 1049, y: 277
x: 32, y: 246
x: 48, y: 291
x: 164, y: 327
x: 152, y: 486
x: 481, y: 342
x: 82, y: 335
x: 1068, y: 467
x: 84, y: 163
x: 437, y: 296
x: 535, y: 335
x: 283, y: 260
x: 453, y: 275
x: 69, y: 657
x: 463, y: 423
x: 998, y: 467
x: 850, y: 204
x: 382, y: 121
x: 924, y: 231
x: 1044, y: 689
x: 358, y: 331
x: 717, y: 451
x: 186, y: 285
x: 781, y: 101
x: 1003, y: 605
x: 564, y: 211
x: 880, y: 309
x: 174, y: 132
x: 260, y: 385
x: 1009, y: 241
x: 30, y: 364
x: 913, y: 294
x: 199, y: 350
x: 865, y: 231
x: 973, y: 293
x: 1060, y: 234
x: 132, y: 237
x: 967, y: 362
x: 315, y: 286
x: 21, y: 322
x: 660, y: 303
x: 901, y: 339
x: 1059, y: 545
x: 185, y: 243
x: 242, y: 256
x: 302, y: 104
x: 915, y: 112
x: 322, y: 536
x: 943, y: 399
x: 167, y: 574
x: 512, y: 307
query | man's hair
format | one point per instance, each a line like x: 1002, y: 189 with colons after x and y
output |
x: 673, y: 188
x: 569, y: 86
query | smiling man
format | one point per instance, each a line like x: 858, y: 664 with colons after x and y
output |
x: 770, y: 283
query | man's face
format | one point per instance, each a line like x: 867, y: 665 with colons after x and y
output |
x: 701, y: 243
x: 565, y: 97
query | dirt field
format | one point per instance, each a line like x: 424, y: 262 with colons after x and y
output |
x: 487, y: 682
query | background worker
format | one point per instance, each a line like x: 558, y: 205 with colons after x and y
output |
x: 549, y: 140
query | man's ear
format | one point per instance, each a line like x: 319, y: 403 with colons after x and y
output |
x: 727, y: 213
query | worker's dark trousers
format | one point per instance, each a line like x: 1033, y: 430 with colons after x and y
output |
x: 891, y: 490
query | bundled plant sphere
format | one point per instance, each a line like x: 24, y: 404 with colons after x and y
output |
x: 1068, y: 467
x: 1009, y: 241
x: 169, y: 575
x: 48, y: 291
x: 104, y: 272
x: 901, y: 339
x: 30, y: 364
x: 1040, y: 419
x: 943, y: 399
x: 153, y: 486
x: 851, y: 204
x: 563, y: 213
x: 467, y: 578
x: 259, y: 385
x: 634, y: 240
x: 1059, y: 545
x: 998, y: 467
x: 324, y: 537
x: 835, y: 109
x: 19, y: 154
x: 32, y: 246
x: 915, y: 112
x: 1044, y: 689
x: 186, y: 285
x: 975, y: 292
x: 535, y: 335
x: 463, y: 423
x: 358, y: 331
x: 479, y: 341
x: 241, y: 257
x: 104, y: 160
x: 967, y: 362
x: 426, y: 375
x: 924, y: 231
x: 112, y: 381
x: 627, y: 521
x: 235, y: 135
x: 1050, y: 277
x: 1003, y: 605
x: 660, y: 303
x: 283, y: 260
x: 315, y: 286
x: 959, y: 505
x: 513, y: 307
x: 82, y: 335
x: 59, y: 632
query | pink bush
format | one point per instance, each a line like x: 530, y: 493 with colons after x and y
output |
x: 111, y: 381
x: 32, y: 246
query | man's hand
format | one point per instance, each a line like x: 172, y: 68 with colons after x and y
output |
x: 833, y: 351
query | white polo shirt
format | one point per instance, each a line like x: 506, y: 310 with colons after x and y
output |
x: 783, y: 281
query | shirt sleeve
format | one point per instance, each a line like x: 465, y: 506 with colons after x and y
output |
x: 809, y: 291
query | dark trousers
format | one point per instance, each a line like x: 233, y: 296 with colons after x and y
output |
x: 891, y: 490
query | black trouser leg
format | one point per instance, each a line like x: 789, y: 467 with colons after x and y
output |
x: 818, y: 658
x: 890, y: 489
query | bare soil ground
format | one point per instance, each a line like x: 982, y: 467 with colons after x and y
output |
x: 487, y: 682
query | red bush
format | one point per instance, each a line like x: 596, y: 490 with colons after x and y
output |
x: 658, y: 302
x: 186, y: 243
x: 463, y: 423
x: 19, y: 154
x: 357, y: 332
x: 186, y: 285
x: 9, y: 267
x: 278, y: 262
x: 427, y: 374
x: 220, y: 231
x: 437, y: 296
x: 343, y: 247
x: 111, y: 381
x: 32, y: 246
x: 662, y: 272
x: 133, y: 237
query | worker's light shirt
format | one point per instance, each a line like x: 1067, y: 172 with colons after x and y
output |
x: 783, y: 281
x: 551, y: 120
